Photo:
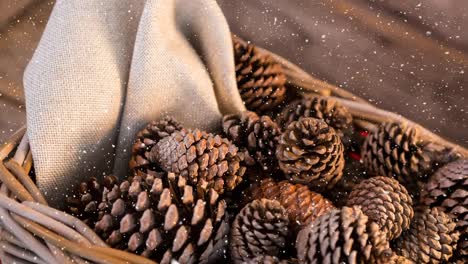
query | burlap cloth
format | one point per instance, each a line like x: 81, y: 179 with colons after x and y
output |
x: 103, y: 69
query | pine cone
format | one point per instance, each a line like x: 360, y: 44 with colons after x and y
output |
x: 431, y: 238
x: 260, y: 228
x: 259, y: 78
x: 147, y: 138
x: 310, y: 152
x: 395, y: 259
x: 205, y: 160
x: 162, y: 218
x: 331, y: 111
x: 342, y: 236
x: 259, y: 135
x: 448, y: 190
x: 397, y: 151
x: 386, y: 202
x: 84, y: 204
x: 264, y: 259
x: 302, y: 205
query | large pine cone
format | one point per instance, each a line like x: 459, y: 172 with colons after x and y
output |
x: 448, y: 189
x: 302, y: 205
x: 310, y: 152
x: 259, y: 135
x: 331, y: 111
x: 386, y: 202
x: 396, y: 150
x: 147, y: 138
x: 260, y: 228
x: 259, y: 78
x: 205, y: 160
x: 161, y: 217
x: 431, y: 238
x: 85, y: 202
x: 342, y: 236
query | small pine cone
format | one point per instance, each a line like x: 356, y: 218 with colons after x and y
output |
x: 302, y: 205
x: 265, y: 259
x: 431, y: 238
x: 386, y: 202
x: 448, y: 190
x: 205, y: 160
x: 89, y: 194
x: 162, y: 218
x: 260, y: 79
x: 259, y: 135
x: 147, y: 138
x: 397, y: 151
x: 331, y: 111
x: 342, y: 236
x: 310, y: 152
x: 260, y: 228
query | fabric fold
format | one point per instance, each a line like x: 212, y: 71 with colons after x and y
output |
x: 105, y: 68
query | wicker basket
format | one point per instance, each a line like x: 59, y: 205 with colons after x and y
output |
x: 32, y: 232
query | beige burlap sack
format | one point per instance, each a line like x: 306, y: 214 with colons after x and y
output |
x: 105, y: 68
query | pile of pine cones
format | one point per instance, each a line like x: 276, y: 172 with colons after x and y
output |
x: 289, y: 181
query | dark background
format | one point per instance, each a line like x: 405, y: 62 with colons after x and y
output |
x: 409, y: 56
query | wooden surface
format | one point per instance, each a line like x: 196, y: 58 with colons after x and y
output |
x: 410, y: 56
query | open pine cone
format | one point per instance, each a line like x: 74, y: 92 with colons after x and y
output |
x: 386, y: 202
x: 342, y: 236
x: 448, y: 190
x: 396, y: 150
x: 260, y: 228
x: 161, y: 217
x: 147, y: 138
x: 85, y: 202
x: 310, y: 152
x: 205, y: 160
x: 431, y: 238
x: 331, y: 111
x: 259, y: 78
x: 258, y: 135
x: 302, y: 205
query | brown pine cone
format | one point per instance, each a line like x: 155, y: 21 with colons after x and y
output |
x: 396, y: 150
x: 258, y: 135
x: 386, y: 202
x: 302, y: 205
x: 147, y: 138
x: 342, y: 236
x: 260, y: 79
x: 395, y: 259
x: 205, y: 160
x: 260, y: 228
x: 331, y: 111
x: 431, y: 238
x: 161, y: 217
x: 265, y: 259
x: 448, y: 190
x: 89, y: 194
x: 310, y: 152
